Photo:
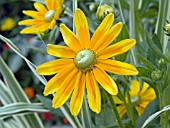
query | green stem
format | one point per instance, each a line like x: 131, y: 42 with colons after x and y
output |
x: 74, y: 9
x: 85, y: 114
x: 160, y: 103
x: 121, y: 11
x: 115, y: 111
x: 130, y: 109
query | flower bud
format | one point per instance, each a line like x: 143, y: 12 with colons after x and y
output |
x: 156, y: 74
x: 93, y: 7
x: 103, y: 11
x: 161, y: 61
x: 167, y: 28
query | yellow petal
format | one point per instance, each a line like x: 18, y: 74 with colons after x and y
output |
x: 105, y: 81
x: 30, y: 22
x: 69, y: 38
x: 36, y: 29
x: 53, y: 66
x: 117, y: 67
x: 117, y: 100
x: 103, y: 27
x: 40, y: 8
x: 78, y: 94
x: 82, y: 28
x: 54, y: 83
x: 93, y: 92
x: 139, y: 109
x: 122, y: 110
x: 53, y: 4
x: 144, y: 88
x: 58, y: 13
x: 108, y: 37
x: 134, y: 88
x: 63, y: 93
x: 60, y: 51
x: 148, y: 95
x: 117, y: 49
x: 34, y: 14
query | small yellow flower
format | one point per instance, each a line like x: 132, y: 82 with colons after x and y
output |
x: 44, y: 18
x: 8, y: 24
x: 139, y: 98
x: 84, y: 63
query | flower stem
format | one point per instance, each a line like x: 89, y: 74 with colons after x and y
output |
x: 115, y: 111
x: 74, y: 9
x: 160, y: 103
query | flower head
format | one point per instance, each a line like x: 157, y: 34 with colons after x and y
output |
x: 84, y: 62
x: 140, y: 98
x: 8, y: 24
x: 44, y: 18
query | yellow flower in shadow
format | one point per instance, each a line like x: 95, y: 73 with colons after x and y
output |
x: 84, y: 62
x: 140, y: 98
x: 8, y: 24
x: 44, y: 18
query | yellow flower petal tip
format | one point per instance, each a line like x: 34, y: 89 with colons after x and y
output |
x: 87, y: 61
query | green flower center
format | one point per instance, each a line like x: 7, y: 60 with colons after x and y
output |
x: 135, y: 100
x: 49, y: 15
x: 85, y: 60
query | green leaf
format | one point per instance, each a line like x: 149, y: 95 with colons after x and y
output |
x: 146, y: 62
x: 143, y: 72
x: 17, y: 91
x: 154, y: 48
x: 105, y: 118
x: 155, y: 115
x: 21, y: 108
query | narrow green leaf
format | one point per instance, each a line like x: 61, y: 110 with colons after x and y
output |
x: 154, y: 48
x: 17, y: 91
x: 146, y: 62
x: 143, y: 72
x: 6, y: 97
x: 155, y: 115
x: 21, y: 108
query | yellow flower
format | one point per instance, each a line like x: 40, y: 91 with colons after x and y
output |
x: 44, y: 18
x: 8, y: 24
x: 84, y: 62
x: 140, y: 98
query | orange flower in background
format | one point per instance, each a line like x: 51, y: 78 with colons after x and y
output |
x: 29, y: 92
x: 140, y: 98
x: 44, y: 18
x: 7, y: 24
x: 84, y: 63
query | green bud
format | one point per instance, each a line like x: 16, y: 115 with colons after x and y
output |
x: 161, y: 61
x: 167, y: 28
x: 103, y: 11
x: 93, y: 7
x: 156, y: 74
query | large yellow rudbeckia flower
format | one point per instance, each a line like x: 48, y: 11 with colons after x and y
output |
x: 139, y: 98
x: 84, y: 62
x: 44, y: 18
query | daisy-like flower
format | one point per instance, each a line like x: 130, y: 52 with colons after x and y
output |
x: 84, y: 62
x: 8, y: 24
x: 140, y: 98
x: 44, y: 18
